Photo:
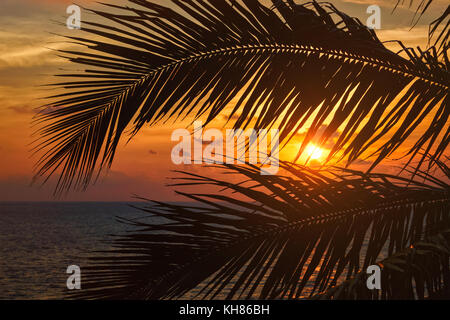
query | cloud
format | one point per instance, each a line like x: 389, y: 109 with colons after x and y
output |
x: 116, y: 186
x: 217, y: 142
x: 22, y: 109
x: 234, y: 117
x: 152, y: 152
x: 362, y: 162
x: 328, y: 144
x: 30, y: 52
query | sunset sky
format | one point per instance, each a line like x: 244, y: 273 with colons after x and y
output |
x: 141, y: 167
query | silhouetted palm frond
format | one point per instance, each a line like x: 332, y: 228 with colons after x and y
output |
x: 419, y: 272
x: 304, y: 66
x: 286, y: 236
x: 421, y: 5
x: 441, y: 41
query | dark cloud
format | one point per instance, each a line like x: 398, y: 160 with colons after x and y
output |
x: 152, y: 152
x: 234, y: 117
x: 208, y: 142
x: 362, y: 162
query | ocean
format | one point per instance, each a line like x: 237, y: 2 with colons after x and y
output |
x: 38, y: 241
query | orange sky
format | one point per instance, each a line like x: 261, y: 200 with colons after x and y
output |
x: 142, y: 166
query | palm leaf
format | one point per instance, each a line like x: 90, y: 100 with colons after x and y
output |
x: 286, y: 236
x: 420, y: 271
x: 441, y: 41
x: 293, y: 66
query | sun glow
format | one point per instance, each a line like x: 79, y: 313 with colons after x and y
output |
x: 313, y: 152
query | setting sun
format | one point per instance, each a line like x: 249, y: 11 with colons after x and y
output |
x: 313, y: 152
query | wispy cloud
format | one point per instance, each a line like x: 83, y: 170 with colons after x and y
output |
x: 22, y: 109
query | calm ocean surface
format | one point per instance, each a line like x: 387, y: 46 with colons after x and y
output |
x: 38, y: 241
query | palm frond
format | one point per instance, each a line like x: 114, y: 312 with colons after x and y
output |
x: 422, y: 6
x: 441, y: 40
x: 294, y: 66
x: 286, y: 236
x: 419, y: 272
